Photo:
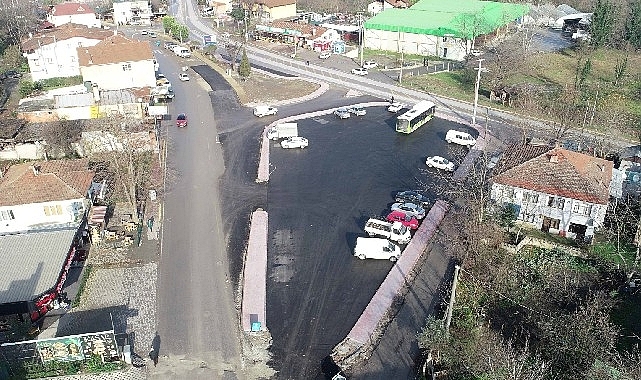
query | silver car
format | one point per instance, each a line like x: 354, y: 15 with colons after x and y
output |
x: 410, y: 209
x: 342, y: 113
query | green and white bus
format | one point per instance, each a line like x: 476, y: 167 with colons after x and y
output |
x: 413, y: 119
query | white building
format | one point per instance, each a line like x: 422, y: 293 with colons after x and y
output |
x: 132, y: 12
x: 44, y: 194
x: 53, y: 53
x: 118, y: 63
x: 380, y: 5
x: 76, y: 13
x: 555, y: 190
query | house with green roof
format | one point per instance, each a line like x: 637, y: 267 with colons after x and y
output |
x: 440, y: 28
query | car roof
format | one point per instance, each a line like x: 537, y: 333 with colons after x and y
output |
x: 181, y: 115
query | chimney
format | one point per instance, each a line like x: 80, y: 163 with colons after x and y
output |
x: 96, y: 93
x: 115, y: 32
x: 30, y: 36
x: 36, y: 169
x: 554, y: 157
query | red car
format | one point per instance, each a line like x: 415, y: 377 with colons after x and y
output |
x: 181, y: 120
x: 406, y: 220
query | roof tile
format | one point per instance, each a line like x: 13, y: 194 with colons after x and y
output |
x: 63, y: 32
x: 69, y: 9
x: 563, y: 173
x: 115, y: 49
x: 56, y: 180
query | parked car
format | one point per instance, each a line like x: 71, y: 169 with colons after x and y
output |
x: 181, y: 120
x: 406, y: 220
x: 412, y: 197
x: 152, y: 34
x: 294, y: 142
x: 325, y: 55
x: 439, y: 163
x: 342, y: 113
x: 369, y: 64
x: 358, y: 111
x: 162, y: 81
x: 395, y: 107
x: 359, y: 71
x: 261, y: 111
x: 183, y: 77
x: 144, y: 32
x: 376, y: 248
x: 169, y: 45
x: 410, y: 209
x: 460, y: 138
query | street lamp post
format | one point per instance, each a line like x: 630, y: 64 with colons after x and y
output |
x: 361, y: 35
x: 476, y: 89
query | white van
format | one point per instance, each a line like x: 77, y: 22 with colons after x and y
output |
x: 460, y: 138
x: 376, y: 248
x: 182, y: 52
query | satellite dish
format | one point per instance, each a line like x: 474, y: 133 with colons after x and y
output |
x: 636, y: 178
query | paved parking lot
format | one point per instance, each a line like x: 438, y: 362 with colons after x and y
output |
x: 318, y: 201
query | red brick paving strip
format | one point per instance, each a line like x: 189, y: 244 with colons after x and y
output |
x: 395, y: 280
x: 255, y: 274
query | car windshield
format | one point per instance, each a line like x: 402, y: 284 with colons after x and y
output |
x: 182, y: 117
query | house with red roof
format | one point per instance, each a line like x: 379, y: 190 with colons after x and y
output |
x: 53, y: 53
x: 39, y: 195
x: 77, y: 13
x: 554, y: 189
x: 118, y: 63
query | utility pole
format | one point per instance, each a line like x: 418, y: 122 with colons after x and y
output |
x: 476, y: 88
x: 400, y: 74
x: 362, y: 35
x: 448, y: 318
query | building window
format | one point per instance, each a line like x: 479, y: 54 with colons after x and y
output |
x: 53, y: 210
x: 530, y: 198
x: 6, y: 215
x: 554, y: 224
x: 556, y: 202
x: 527, y: 217
x: 509, y: 193
x: 582, y: 208
x: 126, y: 67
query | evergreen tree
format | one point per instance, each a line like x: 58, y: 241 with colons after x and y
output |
x: 244, y: 70
x: 633, y: 24
x: 603, y: 22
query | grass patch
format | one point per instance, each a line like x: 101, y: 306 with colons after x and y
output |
x: 449, y: 84
x: 608, y: 252
x: 83, y: 284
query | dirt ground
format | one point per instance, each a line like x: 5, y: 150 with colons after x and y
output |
x: 261, y: 88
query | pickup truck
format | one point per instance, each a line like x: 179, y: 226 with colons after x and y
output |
x: 376, y: 248
x: 394, y: 231
x: 283, y: 131
x: 261, y: 111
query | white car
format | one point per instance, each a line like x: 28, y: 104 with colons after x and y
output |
x: 358, y: 111
x: 460, y: 138
x: 439, y: 163
x: 261, y: 111
x: 325, y: 55
x: 143, y: 32
x: 369, y: 64
x: 294, y: 142
x: 183, y: 77
x: 395, y: 107
x: 359, y: 71
x: 342, y: 113
x: 410, y: 209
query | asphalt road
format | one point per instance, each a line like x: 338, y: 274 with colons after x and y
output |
x: 318, y: 201
x: 197, y: 321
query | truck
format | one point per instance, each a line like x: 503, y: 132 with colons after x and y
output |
x: 261, y: 111
x: 282, y: 131
x: 395, y: 231
x: 181, y: 51
x: 376, y: 248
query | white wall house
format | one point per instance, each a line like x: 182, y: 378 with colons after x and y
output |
x: 559, y: 191
x: 132, y: 12
x: 420, y: 44
x: 44, y: 194
x: 76, y: 13
x: 53, y: 54
x: 118, y: 63
x: 380, y: 5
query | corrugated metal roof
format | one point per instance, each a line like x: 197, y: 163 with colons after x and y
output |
x: 462, y: 19
x: 109, y: 97
x: 73, y: 100
x: 33, y: 262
